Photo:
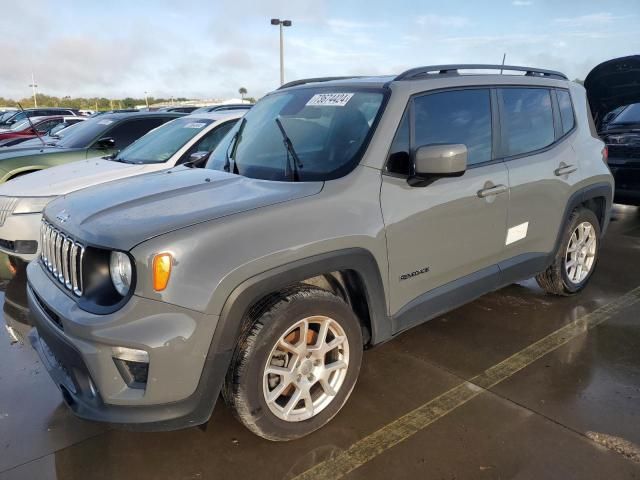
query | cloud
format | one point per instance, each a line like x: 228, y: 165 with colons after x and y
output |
x: 590, y: 20
x: 522, y: 3
x: 432, y: 20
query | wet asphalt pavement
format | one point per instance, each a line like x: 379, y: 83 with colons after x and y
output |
x: 572, y: 413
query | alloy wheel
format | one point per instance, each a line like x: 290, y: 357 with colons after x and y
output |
x: 306, y: 368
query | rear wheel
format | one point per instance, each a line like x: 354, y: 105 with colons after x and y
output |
x: 296, y: 365
x: 576, y: 258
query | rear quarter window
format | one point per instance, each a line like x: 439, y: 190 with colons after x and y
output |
x: 566, y: 110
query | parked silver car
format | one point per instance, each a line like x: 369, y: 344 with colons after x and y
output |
x: 333, y: 216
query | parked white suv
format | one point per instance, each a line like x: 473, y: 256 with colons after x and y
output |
x: 188, y: 139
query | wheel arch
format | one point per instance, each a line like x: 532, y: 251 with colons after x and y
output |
x: 358, y: 270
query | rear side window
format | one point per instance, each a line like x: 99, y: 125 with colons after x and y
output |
x: 527, y: 120
x: 566, y: 110
x: 459, y: 116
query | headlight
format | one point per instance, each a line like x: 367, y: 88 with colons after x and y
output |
x: 32, y: 204
x: 120, y: 269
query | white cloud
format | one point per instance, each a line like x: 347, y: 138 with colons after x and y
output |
x: 443, y: 21
x: 522, y: 3
x: 590, y: 20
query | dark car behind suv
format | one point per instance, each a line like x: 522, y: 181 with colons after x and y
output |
x: 614, y: 96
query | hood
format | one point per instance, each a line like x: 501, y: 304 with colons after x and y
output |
x: 18, y: 151
x: 613, y: 84
x: 124, y: 213
x: 73, y: 176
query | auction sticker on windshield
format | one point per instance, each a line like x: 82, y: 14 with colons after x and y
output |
x: 329, y: 99
x: 194, y: 125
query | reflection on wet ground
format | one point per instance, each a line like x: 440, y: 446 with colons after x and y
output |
x: 546, y: 421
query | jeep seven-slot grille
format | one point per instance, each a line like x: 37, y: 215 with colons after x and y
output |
x: 7, y: 206
x: 63, y: 257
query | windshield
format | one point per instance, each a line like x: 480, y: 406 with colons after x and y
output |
x: 328, y: 129
x: 162, y: 143
x: 58, y: 129
x: 6, y: 116
x: 20, y: 125
x: 630, y: 114
x: 86, y: 132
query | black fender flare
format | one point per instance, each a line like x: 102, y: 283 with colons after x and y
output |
x: 251, y: 290
x: 604, y: 190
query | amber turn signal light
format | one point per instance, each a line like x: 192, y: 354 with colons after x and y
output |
x: 161, y: 271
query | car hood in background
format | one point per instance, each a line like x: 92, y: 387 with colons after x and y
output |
x: 612, y: 84
x: 15, y: 152
x: 124, y: 213
x: 73, y: 176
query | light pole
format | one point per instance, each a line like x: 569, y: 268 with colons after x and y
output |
x: 146, y: 100
x: 281, y: 23
x: 34, y: 86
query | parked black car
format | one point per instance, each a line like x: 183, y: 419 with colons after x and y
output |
x: 614, y: 98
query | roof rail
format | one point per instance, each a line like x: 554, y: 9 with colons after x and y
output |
x: 436, y: 70
x: 302, y: 81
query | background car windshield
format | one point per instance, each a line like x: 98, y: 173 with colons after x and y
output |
x: 6, y: 116
x: 327, y: 127
x: 20, y: 125
x: 85, y: 132
x: 631, y: 114
x: 160, y: 144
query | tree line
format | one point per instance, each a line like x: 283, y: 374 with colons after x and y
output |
x: 91, y: 103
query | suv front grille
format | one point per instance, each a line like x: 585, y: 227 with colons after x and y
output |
x: 63, y: 257
x: 7, y: 206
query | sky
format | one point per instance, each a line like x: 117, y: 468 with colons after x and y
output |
x: 209, y: 49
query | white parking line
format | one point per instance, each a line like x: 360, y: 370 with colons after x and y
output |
x: 411, y: 423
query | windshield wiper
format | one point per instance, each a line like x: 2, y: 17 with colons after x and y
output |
x: 234, y: 141
x: 288, y: 145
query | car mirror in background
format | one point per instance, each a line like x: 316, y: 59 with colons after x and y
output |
x: 197, y: 159
x: 106, y: 143
x: 435, y: 161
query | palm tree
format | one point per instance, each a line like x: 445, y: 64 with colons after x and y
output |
x: 242, y: 91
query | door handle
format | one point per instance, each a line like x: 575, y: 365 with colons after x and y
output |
x: 565, y: 170
x: 489, y: 192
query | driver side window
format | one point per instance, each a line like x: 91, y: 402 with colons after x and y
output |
x: 210, y: 141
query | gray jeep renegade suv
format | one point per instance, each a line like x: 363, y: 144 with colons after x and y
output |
x: 338, y: 213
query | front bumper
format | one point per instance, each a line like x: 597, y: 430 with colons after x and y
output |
x: 185, y: 371
x: 23, y: 227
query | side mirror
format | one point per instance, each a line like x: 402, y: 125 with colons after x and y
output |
x: 198, y: 159
x: 106, y: 143
x: 435, y: 161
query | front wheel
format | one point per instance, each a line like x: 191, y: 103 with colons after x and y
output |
x: 576, y: 258
x: 296, y: 365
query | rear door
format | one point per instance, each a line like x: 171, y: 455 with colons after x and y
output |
x: 452, y: 229
x: 541, y: 164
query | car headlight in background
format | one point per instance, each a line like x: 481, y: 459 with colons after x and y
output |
x: 121, y: 271
x: 31, y: 204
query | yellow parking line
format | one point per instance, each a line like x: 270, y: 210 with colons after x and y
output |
x: 411, y: 423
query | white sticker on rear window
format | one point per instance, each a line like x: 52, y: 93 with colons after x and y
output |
x: 329, y: 99
x: 194, y: 125
x: 105, y: 122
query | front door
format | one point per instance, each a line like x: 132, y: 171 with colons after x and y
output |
x: 452, y: 231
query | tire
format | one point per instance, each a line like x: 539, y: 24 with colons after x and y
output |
x: 278, y: 320
x: 557, y: 278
